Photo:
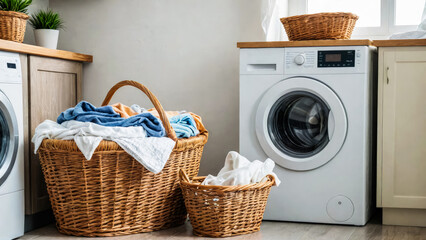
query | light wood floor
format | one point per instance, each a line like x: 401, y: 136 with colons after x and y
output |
x: 269, y: 230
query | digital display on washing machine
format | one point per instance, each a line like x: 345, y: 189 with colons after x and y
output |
x: 333, y: 57
x: 341, y: 58
x: 11, y: 65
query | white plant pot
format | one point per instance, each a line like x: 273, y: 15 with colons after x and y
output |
x: 47, y: 38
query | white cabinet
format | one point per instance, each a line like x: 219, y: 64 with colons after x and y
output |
x: 401, y: 143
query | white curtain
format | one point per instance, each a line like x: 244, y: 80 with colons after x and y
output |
x: 272, y: 11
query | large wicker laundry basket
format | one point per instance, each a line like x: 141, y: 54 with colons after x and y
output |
x: 113, y: 194
x: 224, y: 211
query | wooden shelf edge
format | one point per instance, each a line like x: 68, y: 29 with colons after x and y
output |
x: 399, y: 43
x: 10, y: 46
x: 324, y: 43
x: 310, y: 43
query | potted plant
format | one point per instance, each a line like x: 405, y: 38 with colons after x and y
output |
x: 13, y: 19
x: 46, y: 24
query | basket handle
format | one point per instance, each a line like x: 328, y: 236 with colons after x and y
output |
x: 183, y: 176
x: 169, y: 130
x: 272, y: 179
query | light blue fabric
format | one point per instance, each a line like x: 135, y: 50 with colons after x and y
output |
x: 106, y: 116
x: 184, y: 125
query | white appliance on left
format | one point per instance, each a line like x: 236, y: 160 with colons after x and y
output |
x: 12, y: 144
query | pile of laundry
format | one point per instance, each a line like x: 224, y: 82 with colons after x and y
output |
x: 238, y: 170
x: 138, y: 131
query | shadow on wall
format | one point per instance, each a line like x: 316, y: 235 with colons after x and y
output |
x: 184, y: 51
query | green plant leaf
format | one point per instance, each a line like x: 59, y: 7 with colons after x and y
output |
x: 15, y: 5
x: 46, y: 19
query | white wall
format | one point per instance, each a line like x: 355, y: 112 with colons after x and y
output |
x: 184, y: 51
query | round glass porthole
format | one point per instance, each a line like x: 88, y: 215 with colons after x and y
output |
x: 300, y: 123
x: 297, y: 124
x: 4, y: 138
x: 8, y: 137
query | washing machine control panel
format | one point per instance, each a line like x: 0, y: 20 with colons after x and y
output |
x: 304, y: 58
x: 340, y: 58
x: 327, y: 60
x: 10, y: 67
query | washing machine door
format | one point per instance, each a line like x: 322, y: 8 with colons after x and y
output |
x: 301, y: 123
x: 8, y: 137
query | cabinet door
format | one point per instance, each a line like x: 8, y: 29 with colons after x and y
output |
x: 54, y: 85
x: 403, y: 140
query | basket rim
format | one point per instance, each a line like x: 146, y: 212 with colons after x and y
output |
x: 269, y: 182
x: 322, y: 14
x: 14, y: 14
x: 111, y: 146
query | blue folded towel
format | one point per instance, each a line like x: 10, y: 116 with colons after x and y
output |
x: 106, y: 116
x: 84, y: 108
x: 184, y: 125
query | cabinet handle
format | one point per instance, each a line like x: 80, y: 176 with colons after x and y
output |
x: 387, y: 75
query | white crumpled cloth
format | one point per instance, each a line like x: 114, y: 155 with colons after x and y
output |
x: 240, y: 171
x: 151, y: 152
x: 420, y: 33
x: 409, y: 35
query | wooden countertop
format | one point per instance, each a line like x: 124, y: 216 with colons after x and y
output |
x: 10, y: 46
x: 399, y: 43
x: 310, y: 43
x: 321, y: 43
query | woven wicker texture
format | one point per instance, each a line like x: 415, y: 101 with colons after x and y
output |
x: 224, y: 211
x: 12, y: 25
x: 338, y: 25
x: 113, y: 194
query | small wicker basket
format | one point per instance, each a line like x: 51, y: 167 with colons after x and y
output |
x: 12, y: 25
x: 334, y: 25
x: 224, y: 211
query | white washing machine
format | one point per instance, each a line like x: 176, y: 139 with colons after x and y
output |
x: 12, y: 143
x: 310, y: 110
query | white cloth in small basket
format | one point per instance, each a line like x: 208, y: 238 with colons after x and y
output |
x: 240, y: 171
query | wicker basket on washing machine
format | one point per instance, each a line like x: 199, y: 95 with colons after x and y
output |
x: 332, y: 25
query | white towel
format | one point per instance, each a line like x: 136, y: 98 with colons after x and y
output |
x: 240, y: 171
x: 152, y: 153
x: 409, y: 35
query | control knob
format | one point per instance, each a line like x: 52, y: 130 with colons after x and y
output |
x: 300, y: 59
